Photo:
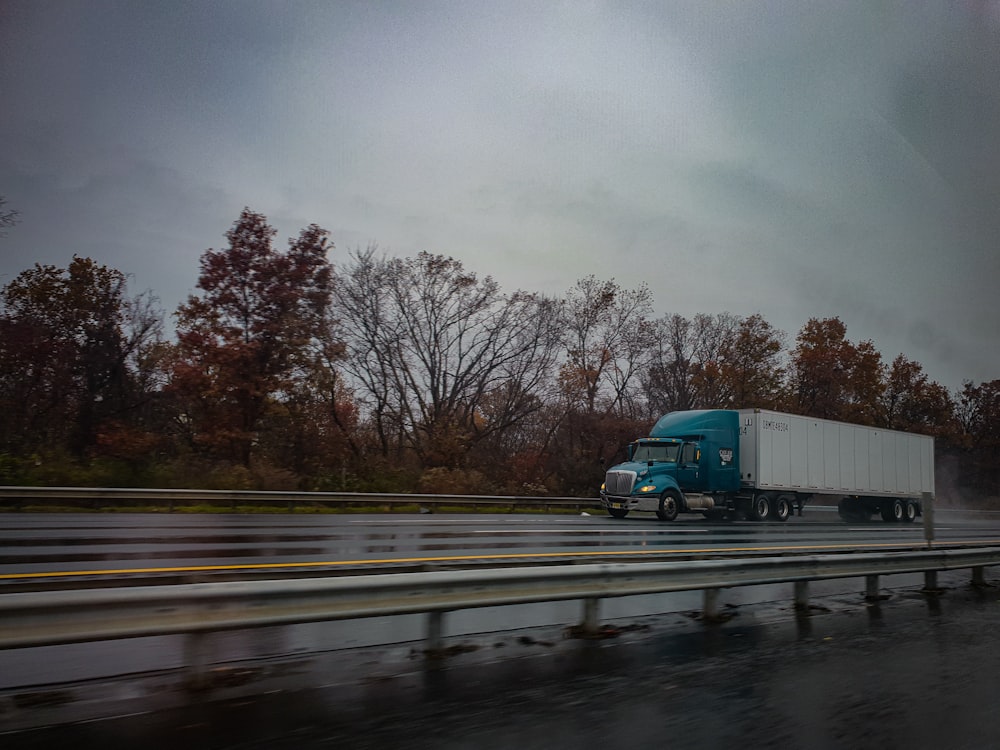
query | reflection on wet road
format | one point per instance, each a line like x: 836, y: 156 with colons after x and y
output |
x: 659, y: 678
x: 900, y: 674
x: 112, y: 545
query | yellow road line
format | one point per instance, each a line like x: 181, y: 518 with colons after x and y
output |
x: 467, y: 558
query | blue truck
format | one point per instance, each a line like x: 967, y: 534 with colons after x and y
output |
x: 765, y: 465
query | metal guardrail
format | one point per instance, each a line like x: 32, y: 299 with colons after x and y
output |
x: 73, y: 616
x: 96, y: 497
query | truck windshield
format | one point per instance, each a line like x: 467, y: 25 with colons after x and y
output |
x: 656, y: 452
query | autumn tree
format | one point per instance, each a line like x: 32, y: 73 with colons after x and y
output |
x: 72, y: 351
x: 911, y: 402
x: 441, y: 359
x: 819, y: 366
x: 752, y: 370
x: 310, y: 428
x: 245, y: 341
x: 865, y: 385
x: 834, y: 379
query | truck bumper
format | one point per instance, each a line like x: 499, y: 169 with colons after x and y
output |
x: 619, y: 503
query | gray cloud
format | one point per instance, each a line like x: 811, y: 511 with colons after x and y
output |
x: 791, y: 158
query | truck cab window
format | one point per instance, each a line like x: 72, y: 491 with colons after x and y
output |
x: 689, y: 453
x: 652, y: 452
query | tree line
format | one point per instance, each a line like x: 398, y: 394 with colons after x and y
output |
x: 410, y: 374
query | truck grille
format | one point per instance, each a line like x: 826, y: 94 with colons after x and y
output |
x: 619, y: 483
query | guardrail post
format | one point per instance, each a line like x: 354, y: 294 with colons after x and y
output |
x: 196, y: 660
x: 710, y: 605
x: 591, y: 616
x: 802, y: 596
x: 978, y: 579
x: 435, y: 631
x: 931, y: 581
x: 871, y: 588
x: 927, y: 508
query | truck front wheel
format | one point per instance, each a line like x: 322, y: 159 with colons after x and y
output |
x: 670, y: 506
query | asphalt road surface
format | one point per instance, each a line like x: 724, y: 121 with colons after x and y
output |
x: 914, y: 671
x: 511, y: 677
x: 71, y: 549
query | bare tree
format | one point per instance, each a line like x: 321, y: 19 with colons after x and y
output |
x: 686, y: 368
x: 441, y: 358
x: 978, y: 413
x: 712, y: 340
x: 713, y: 362
x: 607, y: 340
x: 8, y: 217
x: 668, y: 379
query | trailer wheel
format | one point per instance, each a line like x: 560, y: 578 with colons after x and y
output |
x: 893, y: 511
x: 670, y: 506
x: 761, y: 508
x: 617, y: 512
x: 909, y: 511
x: 782, y: 508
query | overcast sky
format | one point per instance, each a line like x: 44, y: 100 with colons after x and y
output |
x: 797, y: 159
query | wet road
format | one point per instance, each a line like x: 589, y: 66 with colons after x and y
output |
x: 72, y: 548
x: 498, y: 651
x: 913, y: 672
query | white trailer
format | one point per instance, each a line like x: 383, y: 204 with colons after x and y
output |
x: 867, y: 469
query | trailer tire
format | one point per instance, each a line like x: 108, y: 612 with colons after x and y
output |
x: 617, y: 512
x: 909, y: 511
x: 760, y: 510
x: 893, y: 511
x: 670, y: 506
x: 782, y: 508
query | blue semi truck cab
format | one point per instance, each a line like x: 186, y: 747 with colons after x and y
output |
x: 689, y: 462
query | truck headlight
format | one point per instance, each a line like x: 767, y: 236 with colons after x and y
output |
x: 647, y: 488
